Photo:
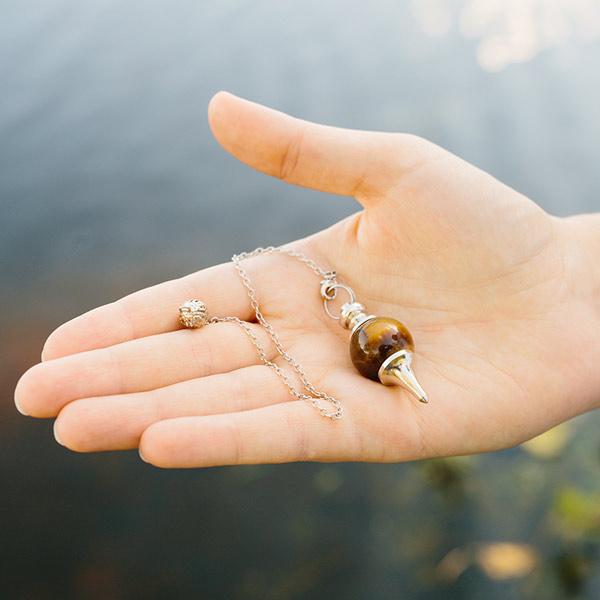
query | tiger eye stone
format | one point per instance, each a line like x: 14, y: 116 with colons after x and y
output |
x: 375, y: 340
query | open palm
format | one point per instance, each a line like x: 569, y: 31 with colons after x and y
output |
x: 485, y: 280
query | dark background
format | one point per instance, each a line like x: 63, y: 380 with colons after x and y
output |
x: 110, y: 181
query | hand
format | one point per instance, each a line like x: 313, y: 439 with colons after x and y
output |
x: 498, y: 295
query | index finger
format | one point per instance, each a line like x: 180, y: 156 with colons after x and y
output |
x: 149, y: 311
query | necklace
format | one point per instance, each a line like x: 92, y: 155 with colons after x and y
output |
x: 381, y: 348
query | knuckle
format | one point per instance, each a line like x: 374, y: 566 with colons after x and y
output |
x: 291, y: 155
x: 127, y: 307
x: 420, y: 149
x: 203, y: 352
x: 239, y: 391
x: 302, y: 449
x: 413, y: 141
x: 238, y: 449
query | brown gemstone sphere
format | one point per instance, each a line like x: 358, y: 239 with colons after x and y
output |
x: 375, y: 340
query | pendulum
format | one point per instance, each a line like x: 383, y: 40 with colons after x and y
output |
x: 381, y: 348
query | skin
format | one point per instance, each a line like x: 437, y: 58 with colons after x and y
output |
x: 502, y: 299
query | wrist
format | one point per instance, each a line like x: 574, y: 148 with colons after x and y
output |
x: 583, y: 232
x: 581, y: 253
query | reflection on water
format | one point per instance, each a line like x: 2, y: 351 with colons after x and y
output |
x: 512, y: 31
x: 109, y: 181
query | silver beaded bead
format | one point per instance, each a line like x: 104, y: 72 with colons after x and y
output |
x: 193, y: 314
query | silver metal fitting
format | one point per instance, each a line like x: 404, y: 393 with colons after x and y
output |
x: 352, y: 314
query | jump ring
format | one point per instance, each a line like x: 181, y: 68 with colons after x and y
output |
x: 328, y: 297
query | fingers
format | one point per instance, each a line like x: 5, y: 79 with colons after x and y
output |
x: 340, y: 161
x: 149, y: 311
x: 292, y: 431
x: 137, y: 365
x: 117, y: 422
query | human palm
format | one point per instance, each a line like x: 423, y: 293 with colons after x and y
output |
x: 484, y: 279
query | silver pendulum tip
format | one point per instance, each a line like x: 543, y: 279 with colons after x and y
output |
x: 396, y: 370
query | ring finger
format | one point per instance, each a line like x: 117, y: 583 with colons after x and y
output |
x: 117, y: 422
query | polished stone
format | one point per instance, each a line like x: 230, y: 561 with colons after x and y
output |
x: 374, y: 341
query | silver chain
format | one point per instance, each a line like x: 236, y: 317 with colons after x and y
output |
x: 313, y: 396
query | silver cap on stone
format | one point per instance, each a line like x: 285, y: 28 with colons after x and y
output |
x: 352, y: 314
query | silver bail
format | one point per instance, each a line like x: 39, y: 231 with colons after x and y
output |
x: 396, y: 370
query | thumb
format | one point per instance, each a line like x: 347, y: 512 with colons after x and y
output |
x: 363, y: 164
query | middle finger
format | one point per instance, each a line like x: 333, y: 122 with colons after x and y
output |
x: 137, y: 365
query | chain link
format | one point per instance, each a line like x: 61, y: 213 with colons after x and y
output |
x: 315, y: 397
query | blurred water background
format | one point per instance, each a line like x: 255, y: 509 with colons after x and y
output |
x: 110, y: 181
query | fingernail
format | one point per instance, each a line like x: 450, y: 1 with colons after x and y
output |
x: 56, y: 436
x: 20, y: 408
x: 141, y: 455
x: 45, y: 349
